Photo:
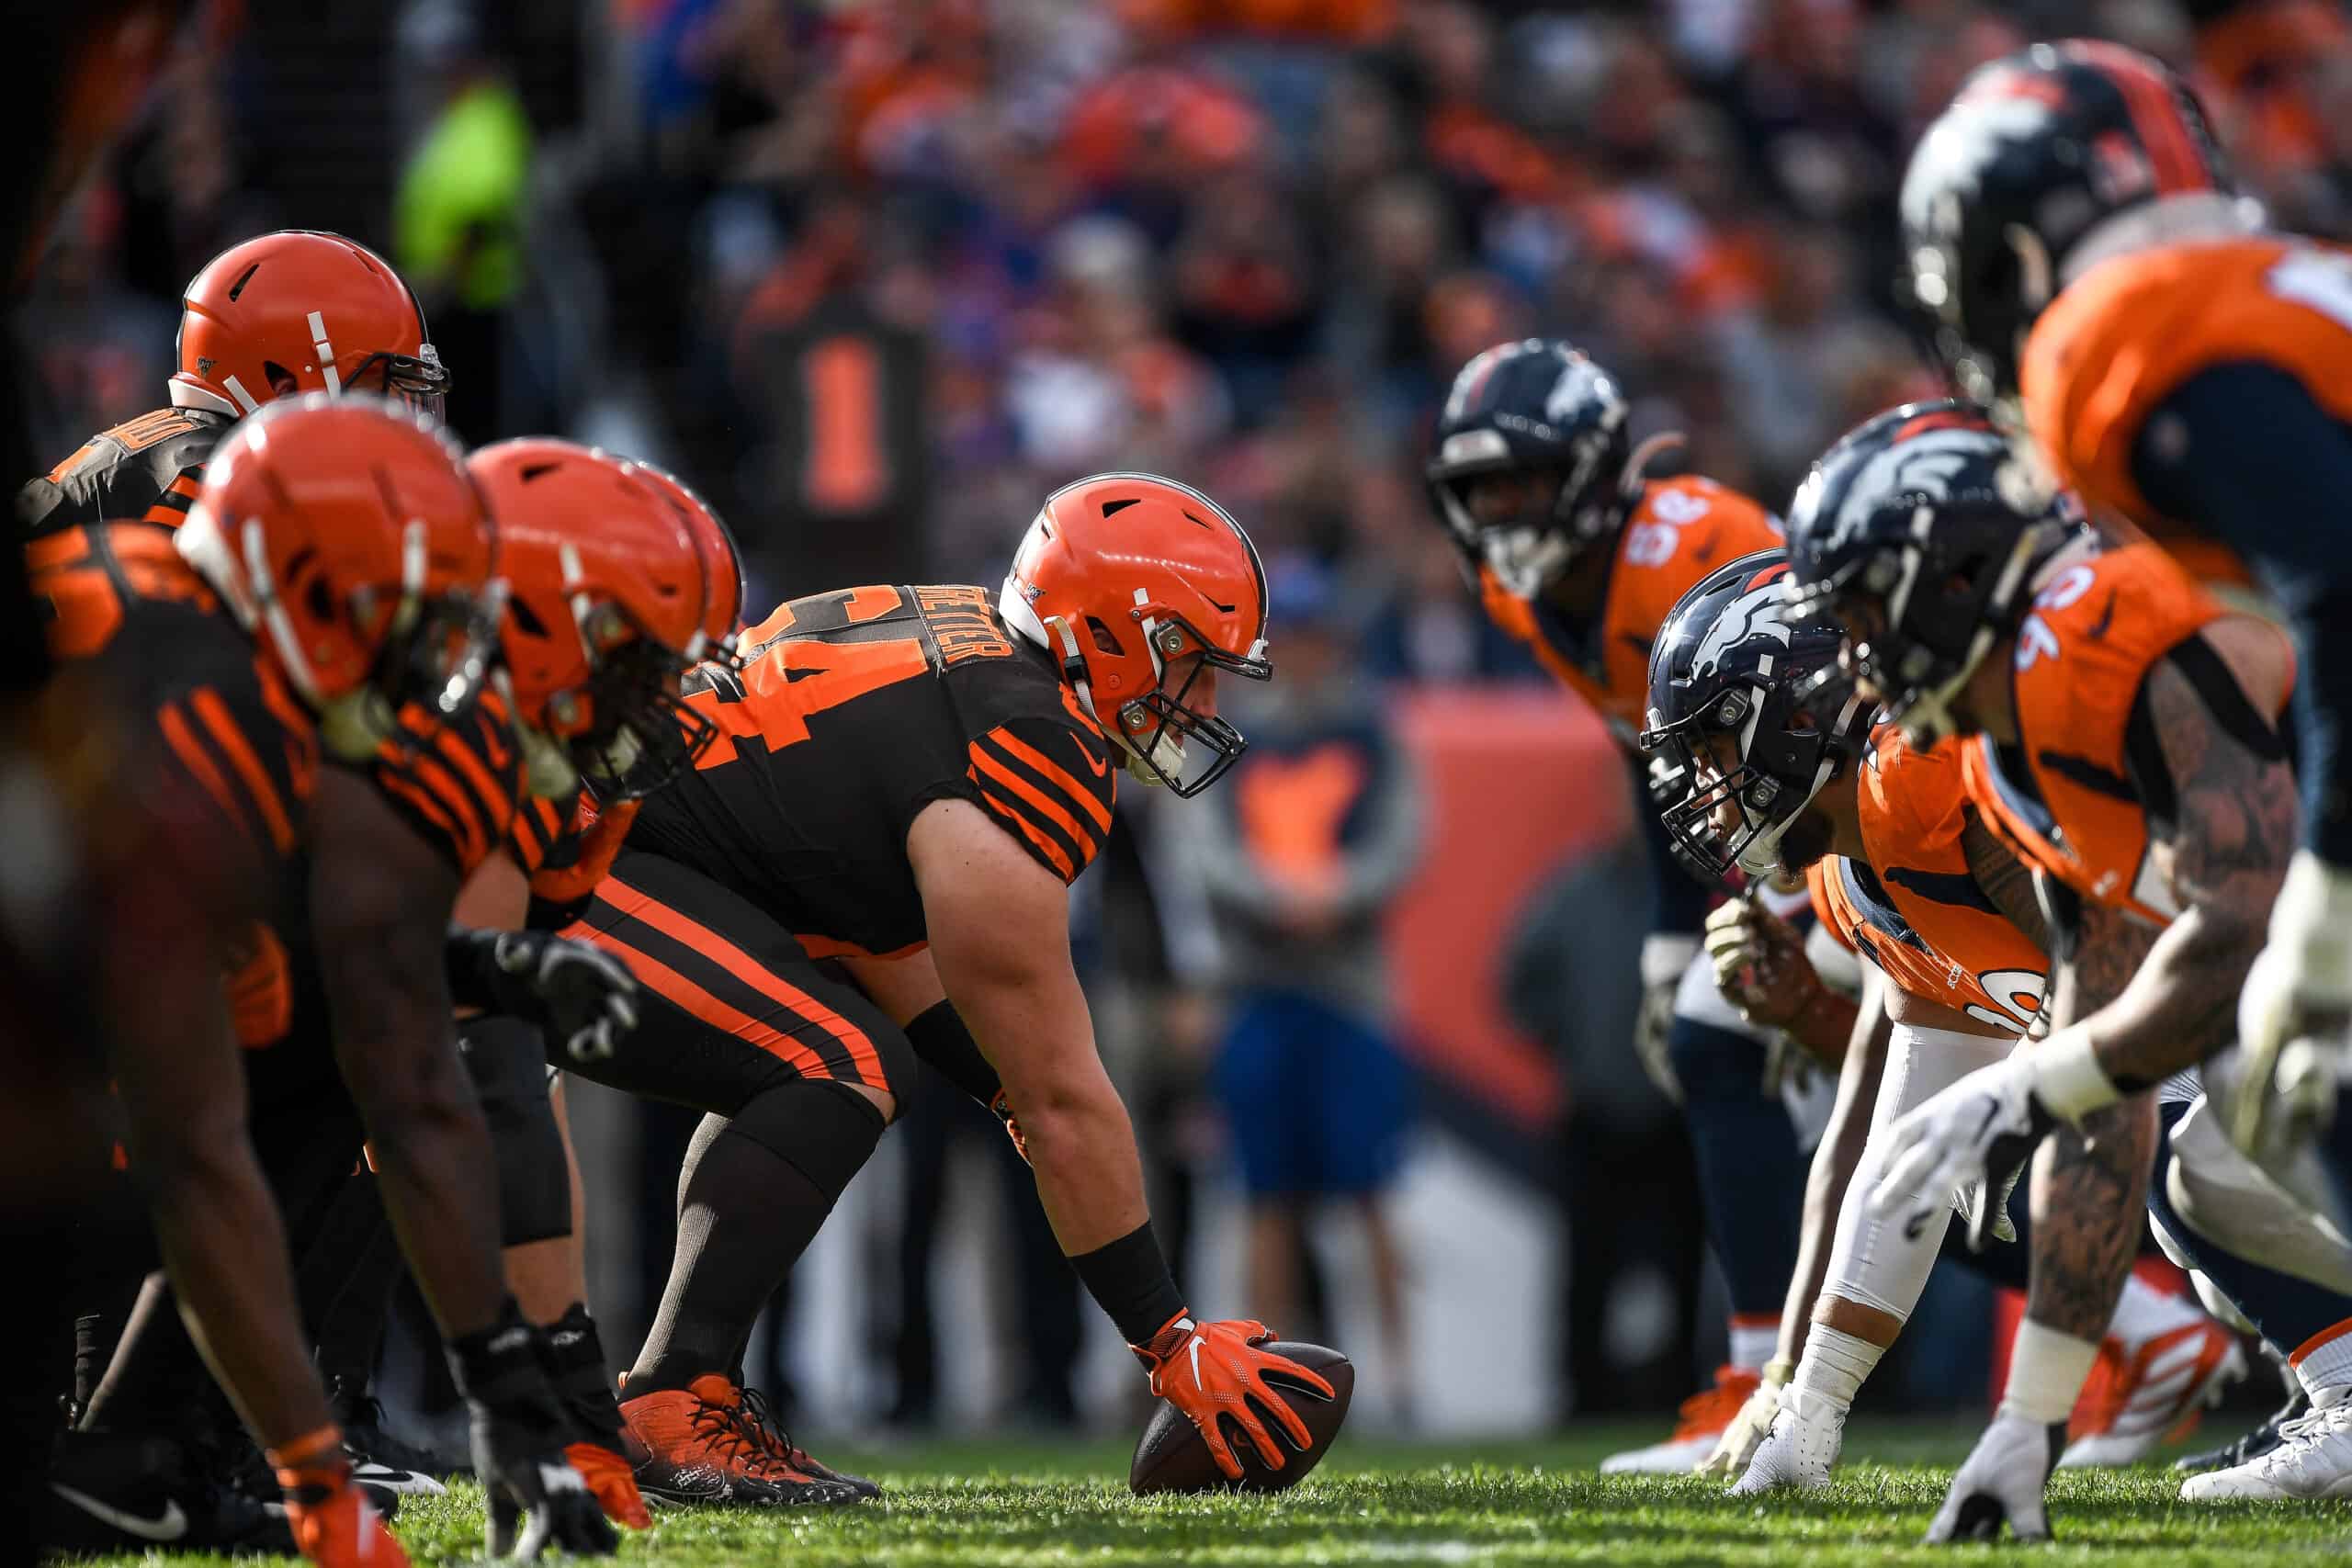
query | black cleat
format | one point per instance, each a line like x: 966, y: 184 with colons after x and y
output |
x: 2253, y: 1445
x: 383, y: 1464
x: 114, y: 1492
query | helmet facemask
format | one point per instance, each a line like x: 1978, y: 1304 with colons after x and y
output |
x: 1788, y: 740
x: 419, y: 380
x: 1170, y: 744
x: 1538, y: 545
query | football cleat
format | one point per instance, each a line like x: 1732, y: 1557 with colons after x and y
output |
x: 2313, y: 1459
x: 700, y: 1449
x: 2161, y: 1387
x: 115, y: 1491
x: 2002, y: 1483
x: 380, y: 1461
x: 1800, y: 1449
x: 2252, y: 1445
x: 1703, y: 1417
x: 778, y: 1442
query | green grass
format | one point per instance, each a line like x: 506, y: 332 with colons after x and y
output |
x: 1026, y: 1506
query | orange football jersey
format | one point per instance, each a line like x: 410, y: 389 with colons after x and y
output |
x: 1680, y: 530
x: 2066, y: 800
x: 2124, y: 336
x: 1915, y: 908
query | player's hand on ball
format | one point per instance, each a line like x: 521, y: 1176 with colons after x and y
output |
x: 1216, y: 1369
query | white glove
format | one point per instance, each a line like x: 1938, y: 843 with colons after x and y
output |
x: 2002, y: 1483
x: 1748, y: 1428
x: 2299, y: 985
x: 1950, y: 1141
x: 1664, y: 956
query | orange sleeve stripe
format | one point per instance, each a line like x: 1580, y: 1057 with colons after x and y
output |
x: 1035, y: 834
x: 240, y: 752
x: 183, y: 740
x: 1030, y: 794
x: 1056, y: 774
x: 749, y: 970
x: 461, y: 757
x: 432, y: 810
x: 466, y: 823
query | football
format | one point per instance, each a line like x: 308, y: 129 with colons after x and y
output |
x: 1170, y: 1457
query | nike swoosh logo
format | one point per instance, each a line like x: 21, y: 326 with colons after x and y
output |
x: 2106, y: 619
x: 1197, y: 1360
x: 1917, y: 1225
x: 170, y: 1525
x: 1100, y: 767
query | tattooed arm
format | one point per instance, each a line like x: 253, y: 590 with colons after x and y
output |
x: 2006, y: 881
x: 2221, y: 810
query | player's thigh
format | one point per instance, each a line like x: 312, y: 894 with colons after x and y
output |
x: 1922, y: 1062
x: 730, y: 1002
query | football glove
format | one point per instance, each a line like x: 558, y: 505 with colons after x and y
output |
x: 580, y: 994
x: 1980, y: 1130
x: 1749, y: 1427
x: 333, y: 1522
x: 2002, y: 1483
x: 520, y: 1429
x: 1212, y: 1371
x: 1664, y: 956
x: 1759, y: 964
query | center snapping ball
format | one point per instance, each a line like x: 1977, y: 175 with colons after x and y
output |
x: 1171, y: 1456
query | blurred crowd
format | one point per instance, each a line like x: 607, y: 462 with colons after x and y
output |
x: 877, y: 274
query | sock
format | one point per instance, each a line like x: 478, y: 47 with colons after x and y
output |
x: 2046, y: 1373
x: 1753, y: 1340
x: 2324, y: 1361
x: 1835, y: 1366
x: 746, y: 1212
x: 2145, y: 1312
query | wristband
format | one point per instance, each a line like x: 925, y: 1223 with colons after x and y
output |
x: 471, y: 959
x: 2066, y: 1076
x: 480, y: 1361
x: 1776, y: 1372
x: 1129, y: 1280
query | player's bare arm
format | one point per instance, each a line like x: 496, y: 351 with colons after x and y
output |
x: 999, y: 924
x: 380, y: 907
x: 2006, y: 881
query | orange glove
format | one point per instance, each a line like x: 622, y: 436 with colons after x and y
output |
x: 1212, y: 1371
x: 1003, y: 1109
x: 611, y: 1482
x: 334, y: 1523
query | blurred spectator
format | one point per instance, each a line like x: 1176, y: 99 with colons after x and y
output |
x: 1301, y: 852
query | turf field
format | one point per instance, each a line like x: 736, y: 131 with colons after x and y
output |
x: 967, y: 1505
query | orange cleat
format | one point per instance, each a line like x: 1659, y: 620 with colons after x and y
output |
x: 702, y: 1447
x: 778, y: 1442
x: 2139, y: 1395
x: 1703, y: 1417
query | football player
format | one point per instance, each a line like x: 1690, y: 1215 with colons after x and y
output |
x: 1579, y: 554
x: 871, y: 864
x: 1748, y: 701
x: 2120, y: 741
x: 323, y: 617
x: 2091, y: 268
x: 272, y: 317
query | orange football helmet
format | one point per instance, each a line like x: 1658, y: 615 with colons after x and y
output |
x: 608, y: 595
x: 1122, y: 578
x: 345, y: 535
x: 314, y: 310
x: 722, y: 564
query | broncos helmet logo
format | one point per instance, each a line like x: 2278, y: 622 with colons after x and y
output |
x: 1757, y: 613
x: 1950, y: 163
x: 1923, y: 467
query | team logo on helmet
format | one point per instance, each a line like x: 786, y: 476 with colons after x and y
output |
x: 1757, y: 613
x: 1923, y: 467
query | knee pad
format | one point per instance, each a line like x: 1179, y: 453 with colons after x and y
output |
x: 506, y: 1059
x: 824, y: 1130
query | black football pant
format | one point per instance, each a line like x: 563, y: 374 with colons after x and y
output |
x: 735, y: 1020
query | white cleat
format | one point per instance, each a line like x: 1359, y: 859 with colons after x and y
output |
x: 2002, y: 1483
x: 1705, y: 1415
x: 2164, y: 1382
x: 2313, y: 1461
x: 1798, y: 1452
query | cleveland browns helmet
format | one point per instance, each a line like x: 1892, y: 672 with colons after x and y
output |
x: 608, y: 595
x: 346, y: 536
x: 1124, y: 577
x: 722, y: 564
x: 1748, y: 711
x: 302, y: 310
x: 1539, y: 411
x: 2040, y: 151
x: 1919, y: 532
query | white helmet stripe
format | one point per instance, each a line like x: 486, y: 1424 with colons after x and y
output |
x: 325, y: 351
x: 237, y: 391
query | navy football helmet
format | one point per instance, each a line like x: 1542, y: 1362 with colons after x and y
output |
x: 2035, y: 152
x: 1919, y: 533
x: 1540, y: 410
x: 1749, y: 711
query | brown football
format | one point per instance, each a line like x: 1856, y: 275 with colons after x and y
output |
x: 1171, y: 1456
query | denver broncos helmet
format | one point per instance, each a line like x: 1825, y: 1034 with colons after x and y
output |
x: 1746, y: 707
x: 1539, y: 409
x: 1918, y: 533
x: 2039, y: 152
